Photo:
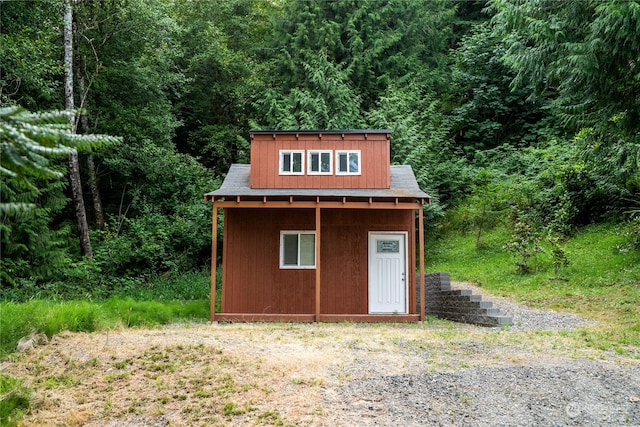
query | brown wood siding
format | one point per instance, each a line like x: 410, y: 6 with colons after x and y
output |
x: 374, y: 157
x: 345, y: 271
x: 254, y: 283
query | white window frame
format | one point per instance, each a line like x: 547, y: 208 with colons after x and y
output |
x: 298, y: 233
x: 348, y: 152
x: 291, y: 153
x: 320, y: 153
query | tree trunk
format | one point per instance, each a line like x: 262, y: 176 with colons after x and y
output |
x: 95, y: 192
x: 74, y: 168
x: 91, y: 167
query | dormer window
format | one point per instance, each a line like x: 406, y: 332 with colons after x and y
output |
x: 348, y: 162
x: 320, y: 162
x: 291, y: 162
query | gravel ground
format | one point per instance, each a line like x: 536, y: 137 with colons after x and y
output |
x: 525, y: 318
x: 552, y: 392
x: 582, y: 393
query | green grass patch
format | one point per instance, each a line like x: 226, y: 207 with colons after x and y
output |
x: 131, y: 303
x: 18, y: 320
x: 15, y: 400
x: 601, y: 281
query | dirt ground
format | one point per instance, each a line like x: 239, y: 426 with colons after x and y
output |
x: 273, y: 374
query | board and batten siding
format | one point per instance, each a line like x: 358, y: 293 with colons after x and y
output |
x: 253, y: 281
x: 374, y: 160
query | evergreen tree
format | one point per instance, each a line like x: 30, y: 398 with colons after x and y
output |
x: 360, y: 49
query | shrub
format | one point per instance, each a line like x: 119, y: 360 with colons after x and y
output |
x: 524, y: 244
x: 558, y: 255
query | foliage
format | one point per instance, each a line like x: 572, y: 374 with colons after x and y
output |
x: 581, y: 51
x: 487, y: 204
x: 585, y: 55
x: 485, y: 111
x: 160, y: 220
x: 32, y: 193
x: 30, y: 245
x: 14, y: 401
x: 632, y: 234
x: 29, y: 140
x: 523, y: 245
x: 558, y: 254
x: 324, y: 101
x: 334, y: 60
x: 31, y: 69
x: 222, y: 58
x: 526, y: 104
x: 412, y: 113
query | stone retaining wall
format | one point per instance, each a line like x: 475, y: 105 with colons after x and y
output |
x: 460, y: 305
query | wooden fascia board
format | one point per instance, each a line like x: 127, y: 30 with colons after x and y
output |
x: 278, y: 204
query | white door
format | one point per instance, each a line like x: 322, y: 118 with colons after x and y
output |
x: 387, y: 273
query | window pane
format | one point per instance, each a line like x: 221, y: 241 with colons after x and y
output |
x: 307, y: 250
x: 297, y: 162
x: 342, y: 162
x: 290, y: 250
x: 325, y: 162
x: 354, y: 161
x: 314, y: 162
x: 286, y: 162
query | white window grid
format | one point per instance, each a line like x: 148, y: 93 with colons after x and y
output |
x: 319, y: 153
x: 348, y: 153
x: 298, y: 233
x: 291, y: 154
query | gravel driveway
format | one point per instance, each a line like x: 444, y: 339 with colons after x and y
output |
x: 561, y: 392
x: 436, y: 374
x: 579, y: 393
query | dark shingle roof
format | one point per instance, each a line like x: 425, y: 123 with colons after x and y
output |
x: 403, y: 184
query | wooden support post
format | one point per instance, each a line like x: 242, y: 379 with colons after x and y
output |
x: 421, y: 243
x: 318, y: 263
x: 214, y: 256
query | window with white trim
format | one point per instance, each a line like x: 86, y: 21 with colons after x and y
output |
x: 291, y: 162
x: 348, y: 162
x: 297, y: 249
x: 320, y: 162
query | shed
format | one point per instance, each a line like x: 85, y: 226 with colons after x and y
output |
x: 319, y: 227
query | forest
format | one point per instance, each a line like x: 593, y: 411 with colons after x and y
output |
x: 524, y: 113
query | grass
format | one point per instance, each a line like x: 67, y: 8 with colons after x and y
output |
x: 16, y: 399
x: 160, y: 300
x: 601, y: 282
x: 18, y: 320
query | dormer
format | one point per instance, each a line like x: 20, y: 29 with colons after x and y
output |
x: 320, y: 159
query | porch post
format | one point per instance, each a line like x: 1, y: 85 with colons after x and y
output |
x: 214, y: 256
x: 318, y: 263
x: 421, y: 243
